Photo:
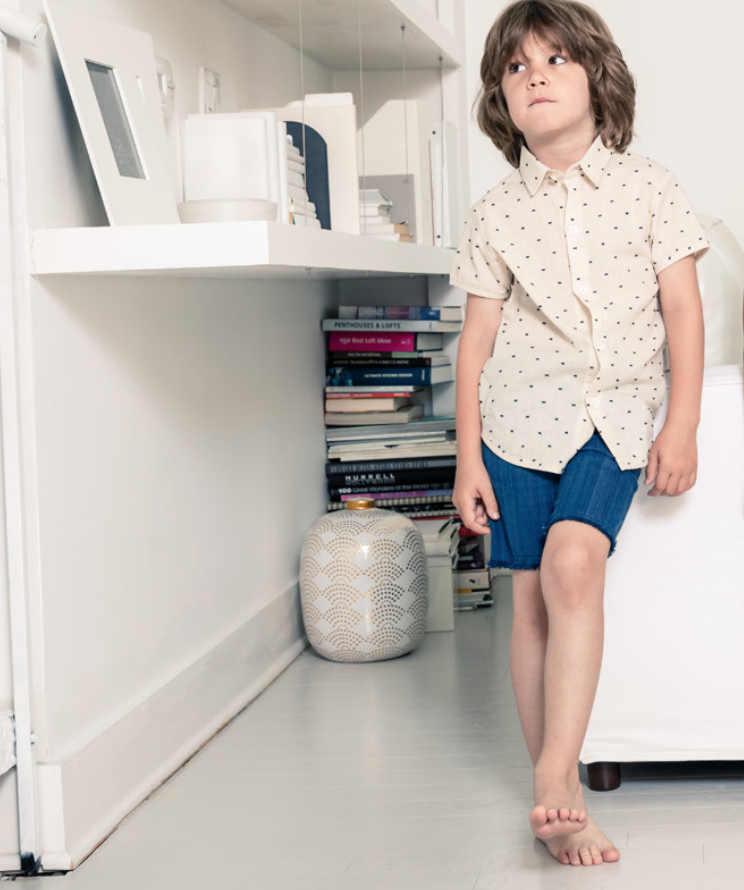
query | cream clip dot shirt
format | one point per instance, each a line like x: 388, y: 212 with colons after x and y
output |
x: 575, y: 256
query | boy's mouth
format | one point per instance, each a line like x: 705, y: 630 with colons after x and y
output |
x: 540, y: 101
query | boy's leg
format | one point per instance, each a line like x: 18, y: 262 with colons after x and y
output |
x: 529, y: 639
x: 572, y: 577
x: 528, y: 648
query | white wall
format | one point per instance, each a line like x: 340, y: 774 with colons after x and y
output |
x: 176, y: 449
x: 686, y: 58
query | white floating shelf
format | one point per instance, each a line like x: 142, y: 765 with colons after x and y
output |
x: 331, y: 28
x: 232, y: 250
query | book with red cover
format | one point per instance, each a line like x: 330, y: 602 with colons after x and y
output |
x: 382, y: 341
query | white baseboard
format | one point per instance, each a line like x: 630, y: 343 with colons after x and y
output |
x: 100, y: 786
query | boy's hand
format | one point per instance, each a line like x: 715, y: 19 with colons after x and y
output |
x: 672, y: 462
x: 474, y: 498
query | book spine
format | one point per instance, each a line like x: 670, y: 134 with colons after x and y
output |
x: 413, y: 313
x: 381, y: 324
x: 373, y: 396
x: 361, y: 483
x: 383, y: 466
x: 413, y: 501
x: 438, y: 494
x: 359, y: 490
x: 372, y: 342
x: 351, y: 478
x: 387, y: 466
x: 348, y: 376
x: 337, y: 361
x: 422, y: 511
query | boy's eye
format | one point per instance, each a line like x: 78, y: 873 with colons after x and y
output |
x: 515, y: 67
x: 557, y: 59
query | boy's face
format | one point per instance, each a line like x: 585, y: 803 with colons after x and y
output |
x: 547, y: 95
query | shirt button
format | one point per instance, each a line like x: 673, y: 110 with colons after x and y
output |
x: 583, y: 291
x: 573, y: 230
x: 600, y: 347
x: 595, y: 403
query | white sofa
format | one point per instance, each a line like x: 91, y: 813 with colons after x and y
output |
x: 671, y: 684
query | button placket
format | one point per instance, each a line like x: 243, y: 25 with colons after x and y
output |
x: 575, y: 240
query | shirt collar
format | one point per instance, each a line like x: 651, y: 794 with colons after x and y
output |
x: 592, y: 165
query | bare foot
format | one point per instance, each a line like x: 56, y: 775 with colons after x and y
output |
x: 587, y: 847
x: 560, y: 812
x: 553, y: 823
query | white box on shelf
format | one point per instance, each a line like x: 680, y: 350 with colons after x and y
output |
x: 235, y: 157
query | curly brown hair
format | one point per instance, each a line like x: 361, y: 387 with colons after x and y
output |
x: 578, y: 31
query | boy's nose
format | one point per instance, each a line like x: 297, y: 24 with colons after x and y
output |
x: 538, y: 78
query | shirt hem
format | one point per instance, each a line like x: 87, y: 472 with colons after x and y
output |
x: 697, y: 253
x: 511, y: 459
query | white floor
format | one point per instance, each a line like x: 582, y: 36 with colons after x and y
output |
x: 404, y: 775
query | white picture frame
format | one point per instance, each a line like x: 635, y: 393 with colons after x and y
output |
x: 111, y: 73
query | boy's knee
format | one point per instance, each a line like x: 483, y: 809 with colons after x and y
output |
x: 573, y: 567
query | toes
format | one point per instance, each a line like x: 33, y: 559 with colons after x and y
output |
x: 573, y: 856
x: 597, y: 858
x: 611, y: 854
x: 585, y: 855
x: 538, y: 817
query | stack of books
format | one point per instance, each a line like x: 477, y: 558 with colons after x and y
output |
x: 381, y: 361
x: 472, y: 577
x: 301, y: 208
x: 409, y: 469
x: 375, y: 217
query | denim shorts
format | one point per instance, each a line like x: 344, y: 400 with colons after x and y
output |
x: 591, y: 489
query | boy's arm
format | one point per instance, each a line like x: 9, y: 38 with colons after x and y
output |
x: 672, y: 461
x: 473, y: 493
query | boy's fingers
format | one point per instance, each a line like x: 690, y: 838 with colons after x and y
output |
x: 662, y: 480
x: 491, y: 506
x: 652, y: 467
x: 489, y: 502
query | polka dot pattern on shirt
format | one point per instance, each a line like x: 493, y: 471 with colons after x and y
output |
x: 575, y: 256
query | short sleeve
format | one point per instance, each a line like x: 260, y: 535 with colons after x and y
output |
x: 675, y: 229
x: 478, y: 268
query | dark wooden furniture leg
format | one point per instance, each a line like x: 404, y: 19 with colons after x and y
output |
x: 603, y: 776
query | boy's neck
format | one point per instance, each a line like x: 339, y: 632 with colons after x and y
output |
x: 562, y: 155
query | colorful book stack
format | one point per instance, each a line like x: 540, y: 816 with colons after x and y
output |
x: 380, y: 362
x: 375, y: 217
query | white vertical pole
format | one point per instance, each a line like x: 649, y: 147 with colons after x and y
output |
x: 25, y: 763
